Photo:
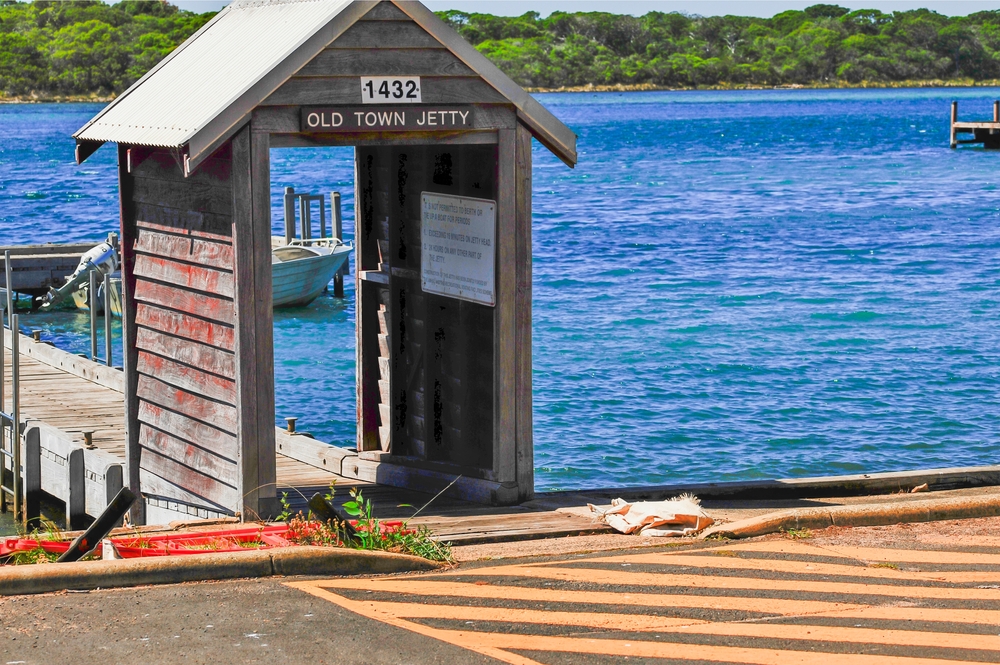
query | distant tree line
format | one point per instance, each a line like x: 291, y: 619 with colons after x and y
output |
x: 821, y: 44
x: 87, y: 47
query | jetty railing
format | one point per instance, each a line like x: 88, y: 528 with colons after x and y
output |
x: 10, y: 434
x: 105, y: 302
x: 305, y: 220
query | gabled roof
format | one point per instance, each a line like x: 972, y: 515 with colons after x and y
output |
x: 204, y: 91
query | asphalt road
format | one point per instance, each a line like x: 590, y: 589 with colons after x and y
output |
x: 776, y: 601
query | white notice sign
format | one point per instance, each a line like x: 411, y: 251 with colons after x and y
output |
x: 457, y: 257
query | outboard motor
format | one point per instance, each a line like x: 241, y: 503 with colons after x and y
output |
x: 103, y: 258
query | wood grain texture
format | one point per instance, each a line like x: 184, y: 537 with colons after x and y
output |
x: 198, y: 487
x: 191, y: 379
x: 161, y: 165
x: 524, y: 443
x: 184, y: 325
x: 185, y: 247
x: 187, y: 302
x: 385, y: 11
x: 433, y: 90
x: 199, y: 197
x: 222, y: 444
x: 185, y: 275
x: 504, y: 373
x: 191, y: 222
x: 385, y: 139
x: 188, y: 454
x: 263, y: 312
x: 204, y: 357
x: 375, y: 34
x: 127, y: 240
x: 218, y: 415
x: 385, y: 62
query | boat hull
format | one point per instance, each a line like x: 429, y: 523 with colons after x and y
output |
x: 297, y: 283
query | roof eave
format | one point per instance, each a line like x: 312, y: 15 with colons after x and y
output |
x: 548, y: 129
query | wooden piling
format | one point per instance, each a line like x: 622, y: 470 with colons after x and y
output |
x: 954, y: 119
x: 338, y: 230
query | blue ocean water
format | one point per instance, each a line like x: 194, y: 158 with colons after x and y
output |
x: 730, y: 285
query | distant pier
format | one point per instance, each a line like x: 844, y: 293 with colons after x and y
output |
x: 35, y: 268
x: 986, y: 133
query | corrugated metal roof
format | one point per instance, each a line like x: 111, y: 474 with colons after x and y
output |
x: 203, y: 91
x: 210, y: 72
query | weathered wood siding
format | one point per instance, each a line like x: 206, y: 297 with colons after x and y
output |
x: 181, y: 273
x: 385, y: 42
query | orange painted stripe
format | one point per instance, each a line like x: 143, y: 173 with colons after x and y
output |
x: 425, y: 587
x: 797, y: 567
x: 624, y: 577
x: 869, y: 553
x: 498, y: 645
x: 679, y: 651
x: 645, y: 623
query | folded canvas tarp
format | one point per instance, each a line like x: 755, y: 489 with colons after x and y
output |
x: 682, y: 516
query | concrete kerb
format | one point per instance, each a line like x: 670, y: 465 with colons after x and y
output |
x: 870, y: 514
x: 88, y: 575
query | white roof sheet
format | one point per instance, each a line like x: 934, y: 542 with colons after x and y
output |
x: 210, y: 71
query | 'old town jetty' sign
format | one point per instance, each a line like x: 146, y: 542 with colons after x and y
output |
x: 386, y: 119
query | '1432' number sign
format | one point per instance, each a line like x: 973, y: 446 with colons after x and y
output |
x: 390, y: 89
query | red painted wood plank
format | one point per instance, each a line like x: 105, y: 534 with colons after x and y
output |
x: 190, y: 222
x: 188, y: 454
x: 216, y: 414
x: 189, y: 479
x: 154, y: 485
x: 207, y: 358
x: 183, y: 325
x: 188, y: 378
x: 185, y: 248
x: 214, y: 440
x: 207, y: 280
x: 188, y: 302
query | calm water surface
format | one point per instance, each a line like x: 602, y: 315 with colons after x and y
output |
x: 730, y: 285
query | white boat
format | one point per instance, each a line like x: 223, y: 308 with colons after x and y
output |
x: 302, y: 269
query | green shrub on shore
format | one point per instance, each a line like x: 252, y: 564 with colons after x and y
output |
x: 86, y: 49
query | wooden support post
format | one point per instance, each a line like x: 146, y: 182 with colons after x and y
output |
x: 338, y: 230
x: 504, y: 372
x: 130, y: 352
x: 76, y: 504
x: 524, y: 443
x: 996, y: 111
x: 251, y: 179
x: 32, y: 477
x: 954, y: 119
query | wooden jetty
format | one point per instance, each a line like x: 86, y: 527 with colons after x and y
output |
x: 986, y: 133
x: 74, y: 454
x: 34, y: 268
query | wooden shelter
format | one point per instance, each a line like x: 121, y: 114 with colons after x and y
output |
x: 443, y: 240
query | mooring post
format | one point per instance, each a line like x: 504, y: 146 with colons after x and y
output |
x: 289, y: 214
x: 107, y: 320
x: 93, y: 315
x: 76, y: 481
x: 954, y: 119
x: 996, y: 111
x: 32, y: 477
x: 322, y: 215
x: 338, y: 230
x: 305, y: 215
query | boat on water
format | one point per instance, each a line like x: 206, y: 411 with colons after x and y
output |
x: 301, y: 270
x: 81, y: 297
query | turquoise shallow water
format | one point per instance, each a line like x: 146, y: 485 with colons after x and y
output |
x: 731, y: 285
